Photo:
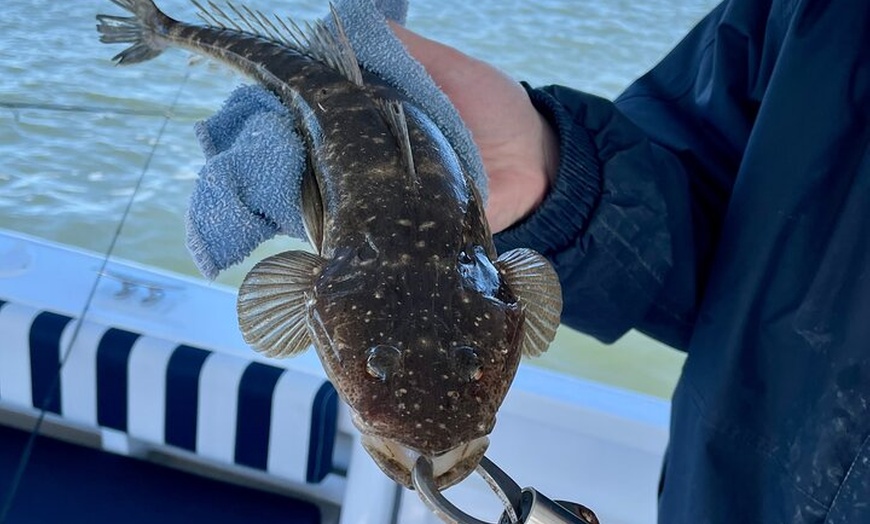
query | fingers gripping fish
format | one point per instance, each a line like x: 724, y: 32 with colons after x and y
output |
x: 419, y: 324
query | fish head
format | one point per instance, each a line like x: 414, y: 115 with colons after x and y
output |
x: 423, y: 351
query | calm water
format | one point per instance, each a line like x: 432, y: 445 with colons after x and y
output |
x: 76, y: 132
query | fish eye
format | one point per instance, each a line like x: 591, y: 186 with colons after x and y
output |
x: 467, y: 363
x: 382, y: 361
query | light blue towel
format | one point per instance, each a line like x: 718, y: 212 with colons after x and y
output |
x: 249, y: 189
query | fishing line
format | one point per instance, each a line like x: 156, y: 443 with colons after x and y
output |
x: 80, y: 108
x: 31, y: 441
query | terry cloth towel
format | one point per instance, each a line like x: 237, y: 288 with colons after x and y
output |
x: 250, y: 186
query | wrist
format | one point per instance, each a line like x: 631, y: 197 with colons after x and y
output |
x: 574, y: 182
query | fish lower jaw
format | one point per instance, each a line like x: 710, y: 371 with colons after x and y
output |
x: 449, y: 468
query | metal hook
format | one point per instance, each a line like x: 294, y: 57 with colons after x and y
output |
x: 508, y: 491
x: 504, y: 487
x: 522, y: 506
x: 424, y: 482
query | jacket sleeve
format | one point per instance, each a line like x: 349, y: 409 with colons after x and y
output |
x: 632, y: 218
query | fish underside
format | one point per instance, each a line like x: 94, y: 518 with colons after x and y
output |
x: 419, y: 324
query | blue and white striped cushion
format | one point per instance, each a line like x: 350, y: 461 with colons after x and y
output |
x: 220, y: 406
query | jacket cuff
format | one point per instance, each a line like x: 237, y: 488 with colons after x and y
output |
x: 565, y: 212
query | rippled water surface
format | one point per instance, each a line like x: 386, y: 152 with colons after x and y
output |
x: 78, y: 135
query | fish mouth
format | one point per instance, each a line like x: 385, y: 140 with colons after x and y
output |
x: 449, y: 467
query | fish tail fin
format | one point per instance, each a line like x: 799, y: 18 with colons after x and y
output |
x: 143, y: 30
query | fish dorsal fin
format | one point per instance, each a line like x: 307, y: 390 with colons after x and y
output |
x: 333, y: 49
x: 315, y: 40
x: 536, y: 286
x: 247, y: 20
x: 394, y: 114
x: 338, y: 51
x: 272, y: 305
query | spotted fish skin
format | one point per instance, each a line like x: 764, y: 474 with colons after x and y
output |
x: 418, y: 322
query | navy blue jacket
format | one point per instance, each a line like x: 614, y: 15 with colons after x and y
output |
x: 722, y: 205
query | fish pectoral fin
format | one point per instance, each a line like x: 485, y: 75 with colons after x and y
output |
x: 272, y: 303
x: 536, y: 286
x: 394, y: 115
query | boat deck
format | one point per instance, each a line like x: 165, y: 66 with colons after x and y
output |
x: 73, y: 484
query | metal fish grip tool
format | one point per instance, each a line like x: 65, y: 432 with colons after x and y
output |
x: 522, y: 505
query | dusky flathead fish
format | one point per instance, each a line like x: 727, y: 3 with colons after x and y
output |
x: 419, y: 324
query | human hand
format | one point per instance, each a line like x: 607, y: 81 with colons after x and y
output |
x: 519, y: 149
